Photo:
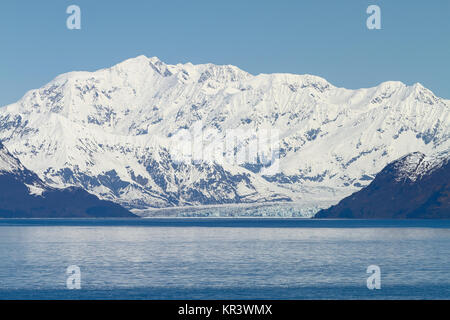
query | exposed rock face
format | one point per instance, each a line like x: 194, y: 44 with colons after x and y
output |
x: 24, y: 195
x: 415, y: 186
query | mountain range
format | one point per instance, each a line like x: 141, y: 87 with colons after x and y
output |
x: 116, y: 133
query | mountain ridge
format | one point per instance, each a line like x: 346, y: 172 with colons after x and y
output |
x: 112, y: 133
x: 414, y: 186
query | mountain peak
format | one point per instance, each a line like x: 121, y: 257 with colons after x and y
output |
x: 142, y: 59
x: 392, y: 84
x: 138, y: 59
x: 155, y: 60
x: 415, y: 165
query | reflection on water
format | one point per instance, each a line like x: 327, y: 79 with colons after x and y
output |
x: 154, y: 261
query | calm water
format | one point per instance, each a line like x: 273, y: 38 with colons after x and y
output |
x: 224, y: 259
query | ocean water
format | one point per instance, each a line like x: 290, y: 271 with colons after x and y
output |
x: 184, y: 258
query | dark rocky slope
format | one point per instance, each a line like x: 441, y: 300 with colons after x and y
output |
x: 24, y: 195
x: 413, y: 187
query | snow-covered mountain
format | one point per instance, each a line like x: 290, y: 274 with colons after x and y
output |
x: 11, y: 166
x: 120, y: 133
x: 415, y: 186
x: 24, y: 195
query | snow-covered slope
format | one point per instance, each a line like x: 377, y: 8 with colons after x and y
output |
x: 24, y: 195
x: 415, y: 186
x: 11, y: 166
x: 116, y: 133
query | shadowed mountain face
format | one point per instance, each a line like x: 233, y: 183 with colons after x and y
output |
x: 413, y: 187
x: 24, y: 195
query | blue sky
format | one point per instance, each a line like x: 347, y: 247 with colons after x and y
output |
x: 325, y: 38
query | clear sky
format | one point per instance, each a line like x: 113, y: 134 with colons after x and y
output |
x: 325, y: 38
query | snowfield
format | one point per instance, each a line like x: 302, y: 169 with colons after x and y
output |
x: 115, y: 133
